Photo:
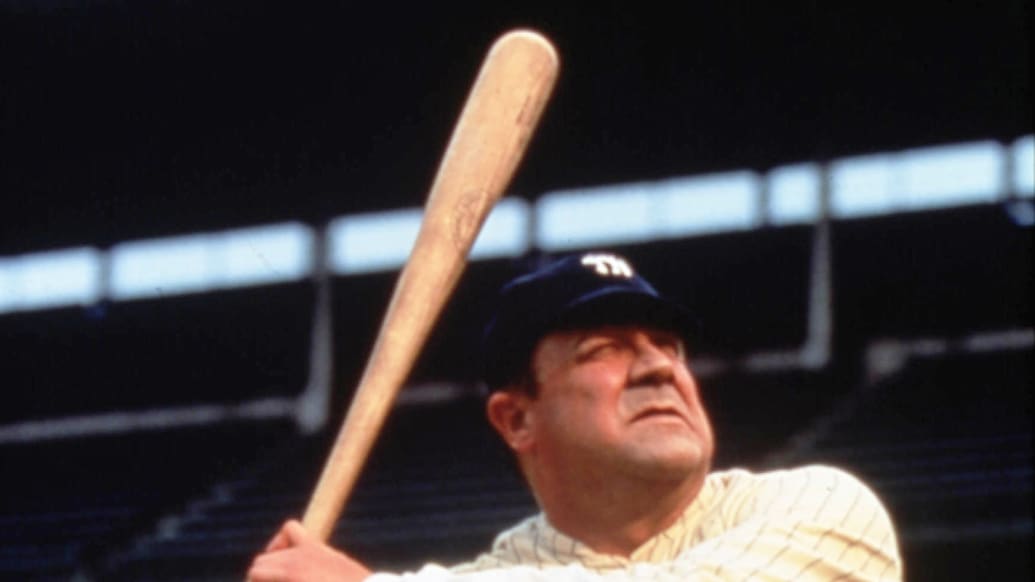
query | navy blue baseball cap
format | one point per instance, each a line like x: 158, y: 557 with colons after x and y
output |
x: 574, y: 292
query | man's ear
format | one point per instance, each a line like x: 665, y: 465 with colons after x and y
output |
x: 509, y: 413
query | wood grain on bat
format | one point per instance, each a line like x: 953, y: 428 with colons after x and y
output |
x: 489, y: 140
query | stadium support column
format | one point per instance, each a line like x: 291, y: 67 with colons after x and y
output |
x: 816, y: 352
x: 314, y: 403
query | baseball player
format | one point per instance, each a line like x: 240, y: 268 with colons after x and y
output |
x: 591, y: 389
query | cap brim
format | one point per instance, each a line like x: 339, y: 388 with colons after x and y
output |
x: 622, y: 306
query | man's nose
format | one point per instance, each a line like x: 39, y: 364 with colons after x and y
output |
x: 651, y: 364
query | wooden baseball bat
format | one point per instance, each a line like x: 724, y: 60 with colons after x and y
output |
x: 489, y: 139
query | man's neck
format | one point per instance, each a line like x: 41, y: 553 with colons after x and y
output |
x: 618, y: 518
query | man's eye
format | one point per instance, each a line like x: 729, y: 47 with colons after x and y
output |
x: 596, y: 349
x: 670, y: 344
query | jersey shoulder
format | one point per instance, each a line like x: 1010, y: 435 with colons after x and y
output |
x: 820, y: 494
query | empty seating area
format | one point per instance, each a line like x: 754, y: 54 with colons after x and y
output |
x: 947, y: 443
x: 69, y: 504
x: 438, y: 487
x: 943, y: 435
x: 753, y: 413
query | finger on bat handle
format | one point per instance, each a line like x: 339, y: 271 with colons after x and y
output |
x: 488, y: 141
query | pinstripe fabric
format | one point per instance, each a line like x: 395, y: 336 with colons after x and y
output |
x: 811, y: 523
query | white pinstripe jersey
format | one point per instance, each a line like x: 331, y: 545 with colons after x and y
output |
x: 811, y: 523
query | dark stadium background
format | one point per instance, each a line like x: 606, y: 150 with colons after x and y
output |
x: 128, y: 120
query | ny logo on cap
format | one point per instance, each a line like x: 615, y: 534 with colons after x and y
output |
x: 608, y: 265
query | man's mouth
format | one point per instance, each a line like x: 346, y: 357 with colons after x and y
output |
x: 659, y: 412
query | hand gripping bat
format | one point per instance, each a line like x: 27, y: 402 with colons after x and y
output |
x: 501, y: 112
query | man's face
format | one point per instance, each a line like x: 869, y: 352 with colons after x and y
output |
x: 618, y: 398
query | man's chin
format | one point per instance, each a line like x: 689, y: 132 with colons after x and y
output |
x: 675, y: 463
